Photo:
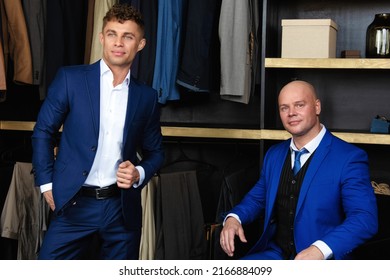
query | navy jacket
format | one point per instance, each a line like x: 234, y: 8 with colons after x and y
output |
x: 73, y: 102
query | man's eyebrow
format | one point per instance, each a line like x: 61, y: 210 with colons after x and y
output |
x: 129, y: 33
x: 125, y: 33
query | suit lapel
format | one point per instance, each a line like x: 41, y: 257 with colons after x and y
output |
x: 132, y: 104
x: 93, y: 91
x: 275, y: 174
x: 319, y: 156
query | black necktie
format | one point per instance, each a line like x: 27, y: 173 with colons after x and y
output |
x: 297, y: 161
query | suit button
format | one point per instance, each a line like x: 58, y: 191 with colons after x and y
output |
x: 293, y: 182
x: 85, y: 173
x: 93, y: 149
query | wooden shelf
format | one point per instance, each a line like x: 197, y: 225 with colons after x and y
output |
x: 227, y: 133
x: 328, y: 63
x: 17, y: 125
x: 364, y: 138
x: 201, y: 132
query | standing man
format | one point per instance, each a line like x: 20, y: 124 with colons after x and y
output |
x: 94, y: 184
x: 324, y: 209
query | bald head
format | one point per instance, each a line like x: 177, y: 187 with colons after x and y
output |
x: 301, y: 86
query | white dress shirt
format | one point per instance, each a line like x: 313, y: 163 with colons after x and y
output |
x: 113, y: 104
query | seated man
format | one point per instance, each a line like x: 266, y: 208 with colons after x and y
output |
x: 314, y: 190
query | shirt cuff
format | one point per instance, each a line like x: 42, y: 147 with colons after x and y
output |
x: 326, y: 251
x: 141, y: 177
x: 231, y: 215
x: 46, y: 187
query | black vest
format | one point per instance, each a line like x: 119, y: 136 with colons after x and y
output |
x: 285, y: 206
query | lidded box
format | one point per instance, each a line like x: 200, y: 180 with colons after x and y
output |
x: 309, y: 38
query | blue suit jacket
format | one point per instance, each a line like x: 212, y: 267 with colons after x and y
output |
x: 336, y: 204
x: 74, y: 101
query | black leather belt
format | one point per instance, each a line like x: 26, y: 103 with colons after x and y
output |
x: 100, y: 193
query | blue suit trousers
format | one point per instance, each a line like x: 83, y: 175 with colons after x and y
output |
x: 70, y: 233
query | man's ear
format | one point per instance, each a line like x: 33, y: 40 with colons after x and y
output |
x: 318, y: 107
x: 141, y: 44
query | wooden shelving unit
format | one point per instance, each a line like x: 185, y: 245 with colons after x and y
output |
x: 353, y: 93
x: 227, y: 133
x: 328, y: 63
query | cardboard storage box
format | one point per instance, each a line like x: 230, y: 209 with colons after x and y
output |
x: 309, y: 38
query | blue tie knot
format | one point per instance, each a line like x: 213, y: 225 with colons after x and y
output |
x: 297, y: 161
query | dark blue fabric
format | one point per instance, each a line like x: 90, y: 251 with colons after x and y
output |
x: 69, y: 236
x: 169, y: 28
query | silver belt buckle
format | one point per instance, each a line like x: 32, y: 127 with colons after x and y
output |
x: 97, y: 193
